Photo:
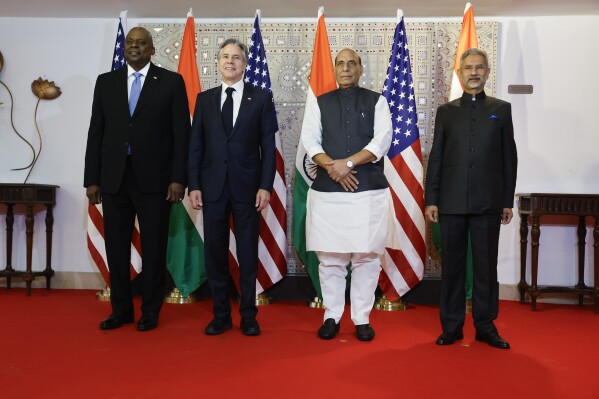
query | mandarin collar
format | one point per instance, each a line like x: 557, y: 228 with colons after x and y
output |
x: 468, y: 98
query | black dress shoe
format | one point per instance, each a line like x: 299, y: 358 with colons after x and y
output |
x: 448, y: 338
x: 115, y: 320
x: 148, y: 321
x: 493, y: 339
x: 250, y: 327
x: 218, y: 326
x: 364, y: 332
x: 329, y: 329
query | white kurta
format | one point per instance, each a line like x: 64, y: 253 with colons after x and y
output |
x: 350, y: 222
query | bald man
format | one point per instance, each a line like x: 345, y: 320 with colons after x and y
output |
x: 136, y: 165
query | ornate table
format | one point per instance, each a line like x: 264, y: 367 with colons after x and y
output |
x: 538, y: 204
x: 28, y: 195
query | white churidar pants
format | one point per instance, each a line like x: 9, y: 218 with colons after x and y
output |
x: 332, y: 270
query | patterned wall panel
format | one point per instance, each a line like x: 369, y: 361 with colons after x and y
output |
x: 289, y: 50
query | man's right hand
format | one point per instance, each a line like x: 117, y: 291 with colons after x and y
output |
x: 432, y: 213
x: 195, y: 198
x: 94, y: 194
x: 350, y: 182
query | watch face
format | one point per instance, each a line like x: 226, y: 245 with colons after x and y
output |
x: 350, y: 164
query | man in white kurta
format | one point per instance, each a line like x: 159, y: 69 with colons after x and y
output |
x: 349, y: 207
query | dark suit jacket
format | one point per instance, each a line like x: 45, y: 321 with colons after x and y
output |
x: 158, y: 132
x: 472, y: 165
x: 247, y: 157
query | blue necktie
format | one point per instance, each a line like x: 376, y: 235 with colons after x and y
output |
x: 227, y: 111
x: 135, y: 90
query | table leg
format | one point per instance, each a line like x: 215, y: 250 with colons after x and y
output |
x: 596, y: 262
x: 581, y: 232
x: 10, y: 220
x: 534, y: 235
x: 28, y: 276
x: 48, y: 272
x: 522, y: 285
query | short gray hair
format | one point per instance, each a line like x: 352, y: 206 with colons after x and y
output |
x: 475, y: 51
x: 232, y: 40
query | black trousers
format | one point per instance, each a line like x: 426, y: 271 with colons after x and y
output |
x: 217, y: 216
x: 153, y: 212
x: 484, y: 233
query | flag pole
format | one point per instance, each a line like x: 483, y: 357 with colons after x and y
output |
x: 104, y: 294
x: 317, y: 302
x: 381, y: 302
x: 175, y: 296
x: 261, y: 299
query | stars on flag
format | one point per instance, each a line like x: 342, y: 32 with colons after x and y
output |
x: 256, y: 72
x: 399, y: 92
x: 118, y: 58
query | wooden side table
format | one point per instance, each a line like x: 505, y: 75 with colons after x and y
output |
x: 538, y: 204
x: 29, y: 195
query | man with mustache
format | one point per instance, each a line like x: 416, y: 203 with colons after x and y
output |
x: 349, y: 207
x: 470, y: 185
x: 135, y: 164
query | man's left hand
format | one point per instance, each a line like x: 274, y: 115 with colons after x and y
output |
x: 506, y: 216
x: 175, y: 193
x: 337, y: 169
x: 262, y: 199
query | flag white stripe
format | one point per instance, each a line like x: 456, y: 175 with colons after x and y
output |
x: 405, y: 197
x: 395, y: 276
x: 275, y: 228
x: 414, y: 164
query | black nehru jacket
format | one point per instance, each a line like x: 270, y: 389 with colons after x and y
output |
x: 347, y: 117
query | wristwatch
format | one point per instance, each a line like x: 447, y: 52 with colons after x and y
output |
x: 349, y: 164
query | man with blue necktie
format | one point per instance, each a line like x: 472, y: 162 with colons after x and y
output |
x: 135, y: 164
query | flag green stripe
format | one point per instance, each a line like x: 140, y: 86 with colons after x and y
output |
x: 300, y: 194
x: 185, y: 252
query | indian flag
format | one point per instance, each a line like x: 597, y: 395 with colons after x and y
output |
x: 185, y: 253
x: 467, y: 40
x: 322, y: 80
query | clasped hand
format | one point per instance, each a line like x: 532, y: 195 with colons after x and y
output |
x: 340, y: 173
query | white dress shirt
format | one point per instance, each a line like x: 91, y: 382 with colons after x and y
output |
x: 131, y: 78
x: 237, y: 96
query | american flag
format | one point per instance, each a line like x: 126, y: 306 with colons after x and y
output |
x: 95, y: 221
x: 272, y: 247
x: 118, y: 59
x: 404, y: 268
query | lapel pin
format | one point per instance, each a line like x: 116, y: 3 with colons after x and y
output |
x: 155, y: 77
x: 249, y: 98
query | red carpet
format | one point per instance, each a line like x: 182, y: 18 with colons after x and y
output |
x: 51, y: 347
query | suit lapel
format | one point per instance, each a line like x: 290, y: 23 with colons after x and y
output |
x: 122, y: 95
x: 216, y: 97
x: 150, y: 83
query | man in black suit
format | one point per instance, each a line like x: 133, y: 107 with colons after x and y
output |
x: 470, y: 186
x: 231, y: 172
x: 135, y: 164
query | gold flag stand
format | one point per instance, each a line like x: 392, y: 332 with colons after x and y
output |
x: 175, y: 297
x: 316, y: 303
x: 382, y: 303
x: 103, y: 295
x: 263, y: 300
